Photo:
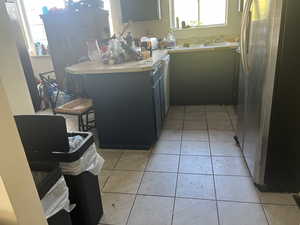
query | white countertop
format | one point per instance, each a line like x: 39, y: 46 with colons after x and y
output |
x: 202, y: 47
x: 144, y: 65
x: 134, y: 66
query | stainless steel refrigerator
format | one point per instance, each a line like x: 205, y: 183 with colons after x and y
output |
x: 269, y: 93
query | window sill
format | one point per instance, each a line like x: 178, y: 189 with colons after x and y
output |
x: 201, y: 27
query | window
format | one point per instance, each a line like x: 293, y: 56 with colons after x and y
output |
x: 34, y: 24
x: 33, y: 10
x: 196, y: 13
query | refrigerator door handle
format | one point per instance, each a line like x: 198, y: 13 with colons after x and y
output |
x: 244, y: 58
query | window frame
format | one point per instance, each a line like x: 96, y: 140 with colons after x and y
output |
x: 173, y: 19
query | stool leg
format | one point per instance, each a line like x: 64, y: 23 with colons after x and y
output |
x: 82, y: 123
x: 79, y: 123
x: 87, y: 121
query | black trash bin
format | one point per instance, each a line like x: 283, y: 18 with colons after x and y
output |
x: 46, y: 137
x: 50, y: 184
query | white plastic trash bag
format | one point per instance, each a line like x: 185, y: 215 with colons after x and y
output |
x: 56, y: 199
x: 75, y: 142
x: 90, y: 161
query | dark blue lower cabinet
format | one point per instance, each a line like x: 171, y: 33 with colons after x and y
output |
x: 128, y: 106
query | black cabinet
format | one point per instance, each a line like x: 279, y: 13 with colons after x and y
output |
x: 159, y: 97
x: 140, y: 10
x: 129, y: 107
x: 157, y: 107
x: 204, y: 77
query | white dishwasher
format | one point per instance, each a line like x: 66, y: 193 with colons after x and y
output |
x: 166, y: 71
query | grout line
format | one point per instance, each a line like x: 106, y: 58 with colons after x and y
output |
x: 265, y: 213
x: 205, y: 199
x: 230, y: 118
x: 105, y: 182
x: 118, y: 160
x: 212, y: 165
x: 152, y: 171
x: 137, y: 191
x: 174, y: 203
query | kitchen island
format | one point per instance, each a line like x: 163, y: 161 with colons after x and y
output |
x: 129, y: 100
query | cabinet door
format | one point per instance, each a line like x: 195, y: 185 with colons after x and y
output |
x: 205, y: 77
x: 157, y: 107
x: 140, y: 10
x: 162, y: 97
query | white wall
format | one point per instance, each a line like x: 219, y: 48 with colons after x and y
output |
x: 11, y: 71
x: 15, y: 172
x: 20, y: 202
x: 162, y: 27
x: 41, y: 64
x: 7, y: 213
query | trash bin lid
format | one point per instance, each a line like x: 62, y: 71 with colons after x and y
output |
x: 41, y: 135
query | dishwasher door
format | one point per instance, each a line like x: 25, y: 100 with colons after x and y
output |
x: 166, y: 77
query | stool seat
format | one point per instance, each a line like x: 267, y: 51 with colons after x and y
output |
x: 76, y: 107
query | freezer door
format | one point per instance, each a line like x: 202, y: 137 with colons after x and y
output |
x: 241, y: 108
x: 258, y: 58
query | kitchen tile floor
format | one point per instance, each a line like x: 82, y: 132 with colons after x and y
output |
x: 194, y: 175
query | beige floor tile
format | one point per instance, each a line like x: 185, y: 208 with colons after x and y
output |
x: 215, y: 108
x: 167, y: 147
x: 171, y: 135
x: 282, y: 215
x: 234, y: 118
x: 123, y: 182
x: 195, y: 164
x: 163, y: 163
x: 235, y: 188
x: 137, y: 151
x: 277, y: 198
x: 225, y: 149
x: 111, y: 158
x: 195, y: 148
x: 151, y: 210
x: 176, y: 108
x: 234, y: 213
x: 104, y: 175
x: 116, y: 208
x: 221, y: 136
x: 220, y: 125
x: 234, y: 125
x: 175, y: 115
x: 133, y: 161
x: 230, y: 166
x: 195, y: 125
x: 195, y: 135
x: 194, y: 212
x: 211, y: 116
x: 195, y: 116
x: 194, y: 108
x: 173, y: 124
x: 230, y: 109
x: 195, y: 186
x: 162, y: 184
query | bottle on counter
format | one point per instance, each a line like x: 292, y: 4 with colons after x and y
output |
x: 171, y: 40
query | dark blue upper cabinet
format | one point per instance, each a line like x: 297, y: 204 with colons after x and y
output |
x: 140, y: 10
